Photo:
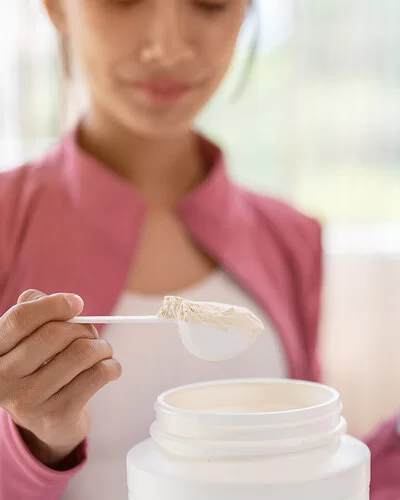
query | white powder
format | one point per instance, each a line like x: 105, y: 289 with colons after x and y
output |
x: 222, y: 316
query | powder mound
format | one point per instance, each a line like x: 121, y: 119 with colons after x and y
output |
x: 222, y: 316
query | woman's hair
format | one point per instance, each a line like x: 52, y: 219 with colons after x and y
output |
x: 254, y: 20
x: 65, y: 57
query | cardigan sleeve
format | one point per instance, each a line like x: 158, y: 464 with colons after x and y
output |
x: 21, y: 475
x: 13, y: 196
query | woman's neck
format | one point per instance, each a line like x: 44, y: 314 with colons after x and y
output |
x: 162, y: 170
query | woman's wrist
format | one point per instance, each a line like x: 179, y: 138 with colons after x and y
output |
x: 57, y: 458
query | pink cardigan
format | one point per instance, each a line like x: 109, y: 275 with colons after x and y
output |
x: 68, y: 224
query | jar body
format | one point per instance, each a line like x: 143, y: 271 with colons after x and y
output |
x: 341, y: 473
x: 185, y: 463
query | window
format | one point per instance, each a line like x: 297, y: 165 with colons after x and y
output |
x: 319, y: 123
x: 30, y: 90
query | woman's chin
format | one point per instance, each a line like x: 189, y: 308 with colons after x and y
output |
x: 160, y: 125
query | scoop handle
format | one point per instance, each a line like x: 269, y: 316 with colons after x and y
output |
x: 106, y: 320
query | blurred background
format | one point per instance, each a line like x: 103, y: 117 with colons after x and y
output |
x: 317, y: 124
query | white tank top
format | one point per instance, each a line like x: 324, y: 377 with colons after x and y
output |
x: 153, y: 360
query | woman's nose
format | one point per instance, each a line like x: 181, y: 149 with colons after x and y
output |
x: 166, y: 41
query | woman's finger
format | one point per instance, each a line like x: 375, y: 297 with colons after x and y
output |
x: 78, y: 357
x: 25, y: 318
x: 37, y: 349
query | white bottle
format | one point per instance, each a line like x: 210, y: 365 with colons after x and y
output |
x: 249, y: 440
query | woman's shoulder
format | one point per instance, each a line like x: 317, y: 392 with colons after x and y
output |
x: 20, y: 190
x: 19, y: 184
x: 13, y: 183
x: 14, y: 186
x: 297, y: 230
x: 283, y: 230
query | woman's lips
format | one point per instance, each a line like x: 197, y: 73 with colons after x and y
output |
x: 163, y: 91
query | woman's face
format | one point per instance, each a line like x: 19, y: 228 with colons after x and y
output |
x: 151, y: 65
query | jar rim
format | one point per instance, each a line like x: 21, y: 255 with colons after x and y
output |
x: 189, y: 420
x: 332, y: 397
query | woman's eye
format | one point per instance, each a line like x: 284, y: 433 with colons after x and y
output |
x: 206, y: 5
x: 212, y: 7
x: 125, y: 2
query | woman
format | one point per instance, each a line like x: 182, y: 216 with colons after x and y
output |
x: 133, y: 205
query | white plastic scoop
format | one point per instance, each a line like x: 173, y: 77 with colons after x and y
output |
x: 209, y: 330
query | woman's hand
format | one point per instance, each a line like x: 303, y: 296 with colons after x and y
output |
x: 49, y: 369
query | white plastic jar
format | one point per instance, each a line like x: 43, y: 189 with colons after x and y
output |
x: 249, y: 440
